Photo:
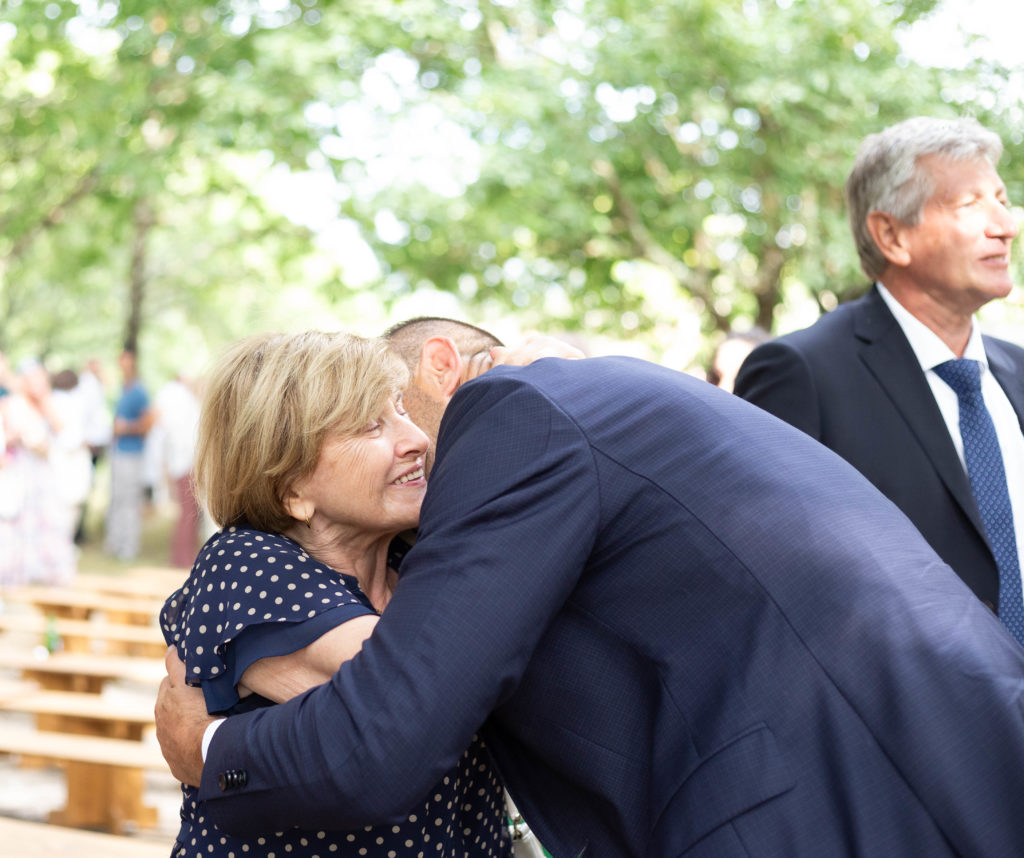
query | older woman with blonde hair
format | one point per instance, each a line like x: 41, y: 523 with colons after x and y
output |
x: 308, y: 462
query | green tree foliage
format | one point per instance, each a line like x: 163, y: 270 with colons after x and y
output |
x: 132, y: 137
x: 709, y: 139
x: 584, y: 165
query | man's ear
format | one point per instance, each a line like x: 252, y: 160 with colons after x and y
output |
x: 890, y: 235
x: 440, y: 366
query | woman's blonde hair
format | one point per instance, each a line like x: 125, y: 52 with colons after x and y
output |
x: 270, y: 403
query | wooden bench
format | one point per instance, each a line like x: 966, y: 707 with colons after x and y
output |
x: 153, y: 583
x: 82, y: 672
x: 71, y: 603
x: 105, y: 777
x: 13, y: 688
x: 90, y: 636
x: 21, y: 838
x: 85, y: 714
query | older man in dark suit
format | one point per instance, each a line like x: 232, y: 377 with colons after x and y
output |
x: 678, y: 622
x: 870, y: 379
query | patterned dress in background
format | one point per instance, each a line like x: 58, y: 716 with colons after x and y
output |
x: 36, y: 526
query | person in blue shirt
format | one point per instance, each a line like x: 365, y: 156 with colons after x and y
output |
x: 133, y: 418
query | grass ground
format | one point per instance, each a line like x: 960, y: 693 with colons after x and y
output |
x: 157, y: 522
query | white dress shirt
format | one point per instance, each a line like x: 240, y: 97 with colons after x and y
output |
x: 930, y: 352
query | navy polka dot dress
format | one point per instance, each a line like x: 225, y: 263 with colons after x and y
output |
x: 253, y: 595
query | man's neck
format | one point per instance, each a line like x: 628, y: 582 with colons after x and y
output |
x: 950, y: 324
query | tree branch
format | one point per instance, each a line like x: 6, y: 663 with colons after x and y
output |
x: 56, y: 214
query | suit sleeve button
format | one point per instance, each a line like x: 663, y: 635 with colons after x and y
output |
x: 232, y: 779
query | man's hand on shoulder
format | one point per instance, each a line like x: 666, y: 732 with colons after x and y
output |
x: 181, y: 720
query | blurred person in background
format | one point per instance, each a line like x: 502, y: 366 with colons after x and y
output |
x: 173, y: 442
x: 133, y: 418
x: 730, y: 353
x: 35, y: 530
x: 69, y: 454
x: 98, y: 428
x: 5, y: 376
x: 10, y: 500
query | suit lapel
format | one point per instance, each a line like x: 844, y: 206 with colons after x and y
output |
x: 1009, y: 376
x: 888, y: 356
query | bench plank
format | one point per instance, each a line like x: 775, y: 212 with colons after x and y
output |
x: 83, y: 672
x: 22, y: 838
x: 105, y: 777
x: 88, y: 714
x: 81, y: 604
x: 154, y: 583
x: 91, y: 636
x: 66, y: 747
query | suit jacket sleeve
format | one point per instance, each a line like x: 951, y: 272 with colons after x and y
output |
x: 509, y: 519
x: 776, y: 377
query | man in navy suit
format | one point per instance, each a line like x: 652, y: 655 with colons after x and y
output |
x: 678, y: 621
x: 929, y: 215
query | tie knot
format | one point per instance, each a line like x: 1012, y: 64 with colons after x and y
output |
x: 963, y: 375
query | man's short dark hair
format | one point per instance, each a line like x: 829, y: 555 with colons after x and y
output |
x: 406, y: 338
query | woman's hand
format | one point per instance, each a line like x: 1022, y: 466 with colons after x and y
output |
x: 534, y: 347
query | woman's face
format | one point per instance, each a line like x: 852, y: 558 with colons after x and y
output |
x: 371, y: 483
x: 36, y: 383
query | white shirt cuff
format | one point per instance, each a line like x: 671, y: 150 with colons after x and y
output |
x: 211, y: 728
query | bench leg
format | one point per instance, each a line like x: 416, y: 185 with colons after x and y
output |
x: 104, y: 797
x: 70, y: 682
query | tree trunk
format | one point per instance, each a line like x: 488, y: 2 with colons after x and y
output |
x: 142, y: 218
x: 769, y: 286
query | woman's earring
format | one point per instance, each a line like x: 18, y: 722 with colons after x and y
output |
x: 308, y: 524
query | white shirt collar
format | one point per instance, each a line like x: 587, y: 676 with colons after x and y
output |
x: 928, y: 348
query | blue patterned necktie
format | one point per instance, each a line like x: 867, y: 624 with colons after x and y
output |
x: 988, y: 482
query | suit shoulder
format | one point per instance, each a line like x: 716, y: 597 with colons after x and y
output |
x: 501, y: 392
x: 556, y: 378
x: 801, y: 361
x: 578, y: 391
x: 825, y: 329
x: 1005, y: 349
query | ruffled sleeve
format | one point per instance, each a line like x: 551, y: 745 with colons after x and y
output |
x: 252, y: 595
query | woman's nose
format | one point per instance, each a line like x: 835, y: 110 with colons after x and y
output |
x: 413, y: 440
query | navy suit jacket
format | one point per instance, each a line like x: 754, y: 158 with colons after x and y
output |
x: 687, y: 630
x: 852, y: 382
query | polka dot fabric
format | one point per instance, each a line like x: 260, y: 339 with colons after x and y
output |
x: 244, y: 579
x: 988, y: 483
x: 248, y: 580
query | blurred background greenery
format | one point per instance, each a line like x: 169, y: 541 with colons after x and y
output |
x: 646, y: 175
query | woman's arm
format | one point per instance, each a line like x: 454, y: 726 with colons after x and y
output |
x: 283, y: 677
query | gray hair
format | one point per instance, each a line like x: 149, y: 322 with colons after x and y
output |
x: 887, y: 175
